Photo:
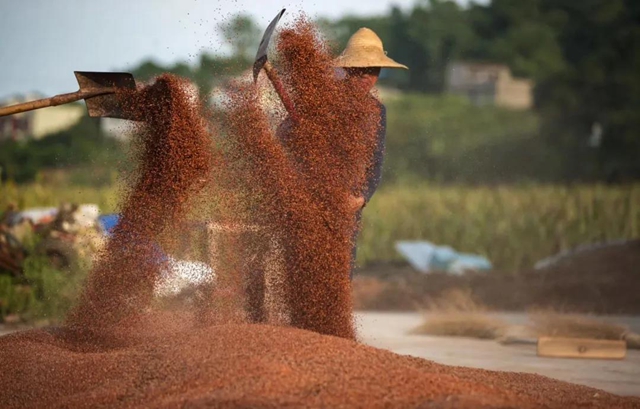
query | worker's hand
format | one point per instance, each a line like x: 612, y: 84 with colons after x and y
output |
x: 355, y: 203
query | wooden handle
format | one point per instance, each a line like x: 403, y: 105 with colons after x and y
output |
x: 52, y: 101
x: 581, y: 348
x: 279, y: 87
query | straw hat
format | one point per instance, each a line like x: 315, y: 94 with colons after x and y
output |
x: 364, y: 49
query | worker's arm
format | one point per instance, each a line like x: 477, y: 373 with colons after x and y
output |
x: 374, y: 172
x: 284, y: 129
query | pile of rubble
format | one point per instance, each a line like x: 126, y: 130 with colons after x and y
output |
x: 65, y: 235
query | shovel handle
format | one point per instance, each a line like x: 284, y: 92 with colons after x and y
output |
x: 282, y: 93
x: 52, y: 101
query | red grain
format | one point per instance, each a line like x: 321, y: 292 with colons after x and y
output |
x: 174, y: 158
x: 119, y: 350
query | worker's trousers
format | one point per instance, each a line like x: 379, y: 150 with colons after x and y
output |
x: 354, y: 244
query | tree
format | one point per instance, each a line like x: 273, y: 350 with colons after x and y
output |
x: 243, y: 35
x: 147, y: 70
x: 340, y: 31
x: 439, y: 34
x: 81, y: 144
x: 426, y: 40
x: 519, y: 34
x: 600, y: 41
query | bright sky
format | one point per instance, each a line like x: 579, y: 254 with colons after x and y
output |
x: 43, y: 41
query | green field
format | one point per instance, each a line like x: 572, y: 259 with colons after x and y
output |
x: 513, y: 226
x: 52, y: 194
x: 445, y: 139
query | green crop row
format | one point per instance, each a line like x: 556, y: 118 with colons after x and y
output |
x: 512, y: 226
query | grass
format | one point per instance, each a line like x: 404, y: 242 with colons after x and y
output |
x: 555, y: 324
x: 45, y: 293
x: 443, y: 139
x: 448, y: 139
x: 513, y: 226
x: 457, y: 314
x: 461, y: 324
x: 53, y: 194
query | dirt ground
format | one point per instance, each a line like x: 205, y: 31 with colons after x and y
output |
x: 603, y: 281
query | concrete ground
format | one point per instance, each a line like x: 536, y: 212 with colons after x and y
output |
x: 389, y: 331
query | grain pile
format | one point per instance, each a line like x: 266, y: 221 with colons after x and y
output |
x: 261, y: 366
x: 118, y: 351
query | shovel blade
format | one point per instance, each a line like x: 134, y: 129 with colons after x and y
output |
x: 261, y: 55
x: 106, y: 105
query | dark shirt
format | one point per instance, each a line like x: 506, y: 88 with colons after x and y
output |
x: 374, y: 168
x: 374, y: 171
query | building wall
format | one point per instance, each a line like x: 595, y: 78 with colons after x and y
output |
x: 40, y: 122
x: 55, y: 119
x: 514, y: 93
x: 462, y: 76
x: 489, y: 84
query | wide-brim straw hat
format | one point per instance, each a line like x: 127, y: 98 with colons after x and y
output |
x: 365, y: 49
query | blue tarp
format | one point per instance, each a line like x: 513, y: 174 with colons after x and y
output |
x: 108, y: 222
x: 426, y: 257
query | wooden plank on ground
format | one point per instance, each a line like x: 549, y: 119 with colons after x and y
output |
x: 581, y: 348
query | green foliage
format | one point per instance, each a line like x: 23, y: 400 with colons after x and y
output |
x: 600, y: 84
x: 242, y: 35
x: 514, y: 226
x: 54, y: 193
x: 447, y: 139
x: 15, y: 296
x: 44, y: 292
x: 584, y: 58
x: 54, y: 292
x: 206, y: 74
x: 82, y: 144
x: 426, y: 39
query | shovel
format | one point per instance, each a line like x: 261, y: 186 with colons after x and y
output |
x: 96, y: 88
x: 263, y: 62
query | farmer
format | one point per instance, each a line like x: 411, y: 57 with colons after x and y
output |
x: 362, y: 60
